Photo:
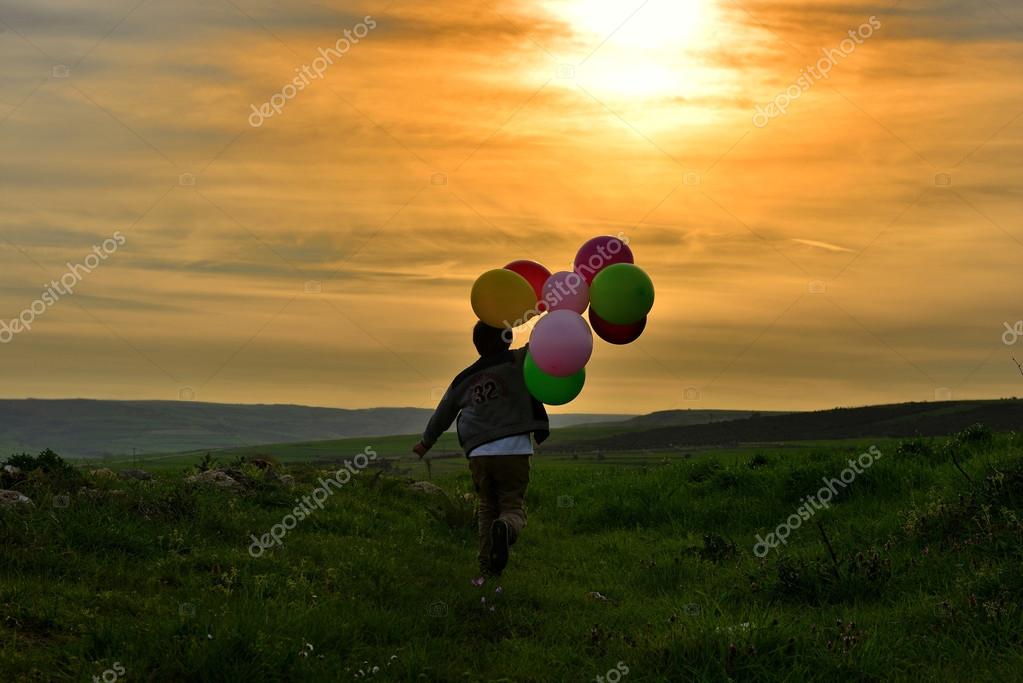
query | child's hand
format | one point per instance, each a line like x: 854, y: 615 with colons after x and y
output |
x: 419, y: 449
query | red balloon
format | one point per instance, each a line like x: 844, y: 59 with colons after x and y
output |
x: 616, y: 334
x: 536, y: 275
x: 599, y: 253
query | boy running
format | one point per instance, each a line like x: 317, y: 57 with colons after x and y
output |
x: 496, y: 415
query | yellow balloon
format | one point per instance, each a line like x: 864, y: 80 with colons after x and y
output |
x: 503, y: 298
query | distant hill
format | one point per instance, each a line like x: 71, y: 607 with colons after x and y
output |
x: 91, y: 428
x: 681, y: 418
x: 894, y: 420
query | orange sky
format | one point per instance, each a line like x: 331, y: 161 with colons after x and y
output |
x: 822, y: 259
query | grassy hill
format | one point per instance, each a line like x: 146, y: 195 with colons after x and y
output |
x: 632, y: 436
x: 89, y: 428
x: 563, y: 439
x: 894, y: 420
x: 645, y: 564
x: 681, y: 418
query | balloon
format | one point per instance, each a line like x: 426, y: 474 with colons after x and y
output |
x: 553, y: 391
x: 616, y: 334
x: 565, y: 290
x: 561, y: 343
x: 599, y: 253
x: 622, y: 294
x: 502, y: 298
x: 535, y: 275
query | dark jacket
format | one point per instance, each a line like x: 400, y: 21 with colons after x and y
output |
x: 491, y: 401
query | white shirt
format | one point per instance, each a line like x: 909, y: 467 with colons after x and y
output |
x: 520, y: 444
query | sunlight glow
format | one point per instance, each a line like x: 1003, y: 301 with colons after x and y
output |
x: 653, y: 25
x: 652, y: 50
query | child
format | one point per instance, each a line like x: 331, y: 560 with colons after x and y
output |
x: 496, y: 415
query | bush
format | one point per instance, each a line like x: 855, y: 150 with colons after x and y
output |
x: 989, y: 514
x: 56, y: 470
x: 977, y: 435
x: 47, y: 461
x: 976, y: 438
x: 916, y: 449
x: 208, y: 463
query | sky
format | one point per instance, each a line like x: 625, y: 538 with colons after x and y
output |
x: 826, y: 195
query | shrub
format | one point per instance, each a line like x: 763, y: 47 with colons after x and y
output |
x: 989, y: 513
x: 57, y: 470
x: 976, y: 438
x: 208, y: 462
x: 916, y: 449
x: 47, y: 461
x: 977, y: 435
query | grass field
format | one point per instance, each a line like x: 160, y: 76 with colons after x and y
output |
x: 632, y: 568
x: 399, y: 446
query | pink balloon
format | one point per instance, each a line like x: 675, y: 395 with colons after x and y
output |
x: 599, y: 253
x: 561, y: 343
x: 566, y: 291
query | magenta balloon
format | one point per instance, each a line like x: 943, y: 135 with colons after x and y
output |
x: 599, y: 253
x: 561, y: 343
x: 616, y: 334
x: 566, y: 291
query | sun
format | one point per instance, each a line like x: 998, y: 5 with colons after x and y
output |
x: 637, y: 50
x: 651, y: 24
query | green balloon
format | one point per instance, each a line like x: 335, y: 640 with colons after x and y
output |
x: 622, y: 294
x: 554, y: 391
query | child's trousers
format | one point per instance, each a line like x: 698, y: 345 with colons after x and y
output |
x: 500, y: 481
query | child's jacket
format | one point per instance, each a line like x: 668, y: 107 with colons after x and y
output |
x: 494, y: 402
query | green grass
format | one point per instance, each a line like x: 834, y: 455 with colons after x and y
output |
x: 926, y: 584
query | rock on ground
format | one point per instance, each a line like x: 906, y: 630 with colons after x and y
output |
x: 425, y: 487
x: 215, y: 478
x: 13, y: 499
x: 11, y: 474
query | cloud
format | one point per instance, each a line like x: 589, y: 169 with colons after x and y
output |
x: 820, y: 245
x: 947, y: 21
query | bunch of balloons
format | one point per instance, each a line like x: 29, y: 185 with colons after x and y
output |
x: 604, y: 278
